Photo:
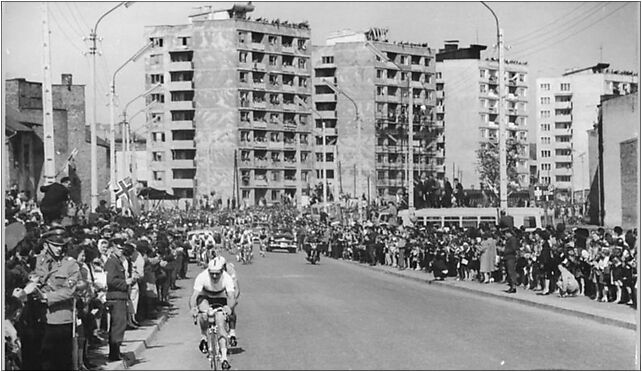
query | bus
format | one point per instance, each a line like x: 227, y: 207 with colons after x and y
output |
x: 530, y: 218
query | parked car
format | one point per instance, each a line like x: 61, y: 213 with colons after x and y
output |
x: 282, y: 239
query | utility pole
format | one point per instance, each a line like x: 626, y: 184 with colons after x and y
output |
x: 503, y: 176
x: 47, y: 103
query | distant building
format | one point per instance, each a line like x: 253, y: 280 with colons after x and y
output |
x: 614, y: 162
x: 24, y: 138
x: 227, y: 120
x: 372, y: 161
x: 468, y: 100
x: 567, y: 107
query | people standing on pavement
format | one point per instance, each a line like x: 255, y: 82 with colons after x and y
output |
x: 117, y: 296
x: 488, y: 257
x: 511, y: 250
x: 55, y: 281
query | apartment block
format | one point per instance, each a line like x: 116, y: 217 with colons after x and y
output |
x: 567, y: 107
x: 467, y: 106
x: 361, y: 98
x: 232, y: 116
x: 24, y: 148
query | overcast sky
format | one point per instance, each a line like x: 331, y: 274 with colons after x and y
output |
x: 550, y: 36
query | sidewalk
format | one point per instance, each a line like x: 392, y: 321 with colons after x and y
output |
x: 607, y: 313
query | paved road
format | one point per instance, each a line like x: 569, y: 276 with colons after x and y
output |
x: 295, y: 316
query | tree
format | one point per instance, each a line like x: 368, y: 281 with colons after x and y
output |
x: 488, y: 166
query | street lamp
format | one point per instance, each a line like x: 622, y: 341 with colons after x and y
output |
x: 92, y: 124
x: 410, y: 155
x: 503, y: 176
x: 112, y: 124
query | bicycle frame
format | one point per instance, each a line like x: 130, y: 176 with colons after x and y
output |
x: 214, y: 350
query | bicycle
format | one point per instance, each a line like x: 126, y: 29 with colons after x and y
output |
x: 213, y: 348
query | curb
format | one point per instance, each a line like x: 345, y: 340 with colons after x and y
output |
x: 583, y: 314
x: 138, y: 347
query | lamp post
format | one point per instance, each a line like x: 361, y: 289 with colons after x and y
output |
x: 126, y: 124
x: 112, y: 123
x: 503, y: 177
x: 410, y: 155
x: 92, y: 124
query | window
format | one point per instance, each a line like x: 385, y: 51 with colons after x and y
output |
x: 272, y: 40
x: 273, y: 60
x: 482, y: 73
x: 565, y: 87
x: 243, y: 77
x: 546, y: 153
x: 545, y: 140
x: 245, y: 194
x: 157, y: 79
x: 545, y: 127
x: 563, y: 178
x: 182, y: 115
x: 562, y: 152
x: 328, y: 59
x: 545, y: 100
x: 184, y: 40
x: 156, y: 117
x: 158, y: 136
x: 157, y: 156
x: 546, y: 180
x: 157, y: 41
x: 483, y: 88
x: 562, y: 138
x: 379, y: 74
x: 158, y: 175
x: 546, y: 166
x: 243, y: 57
x: 157, y: 97
x: 545, y: 87
x: 563, y: 165
x: 562, y: 125
x: 544, y: 114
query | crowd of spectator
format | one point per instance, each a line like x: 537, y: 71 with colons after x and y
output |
x: 112, y: 270
x: 600, y: 264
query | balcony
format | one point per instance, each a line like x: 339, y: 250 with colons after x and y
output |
x: 259, y: 182
x: 564, y: 118
x: 180, y: 85
x: 182, y: 124
x: 439, y: 123
x: 416, y: 84
x: 325, y: 65
x: 288, y: 68
x: 323, y: 80
x: 182, y: 144
x: 325, y: 97
x: 257, y: 46
x: 439, y: 94
x: 259, y: 104
x: 289, y: 164
x: 564, y: 105
x: 289, y: 145
x: 287, y: 49
x: 417, y: 67
x: 393, y: 81
x: 288, y: 87
x: 180, y: 105
x: 290, y: 106
x: 439, y: 109
x: 275, y: 145
x: 260, y: 144
x: 182, y: 163
x: 394, y: 98
x: 258, y: 66
x: 290, y: 182
x: 182, y: 182
x: 564, y: 171
x: 259, y: 124
x: 258, y: 85
x: 180, y: 66
x: 328, y: 114
x: 328, y: 131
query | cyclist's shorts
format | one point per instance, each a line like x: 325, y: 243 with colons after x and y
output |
x: 213, y: 301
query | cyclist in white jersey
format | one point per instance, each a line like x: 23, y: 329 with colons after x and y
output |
x: 214, y: 287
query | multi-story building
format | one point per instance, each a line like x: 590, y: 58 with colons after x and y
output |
x: 24, y: 148
x: 567, y: 107
x: 232, y: 117
x: 362, y: 100
x: 468, y: 108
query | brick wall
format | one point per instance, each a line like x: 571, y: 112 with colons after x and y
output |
x: 629, y: 182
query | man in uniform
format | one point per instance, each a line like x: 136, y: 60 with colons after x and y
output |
x: 54, y: 281
x: 118, y: 283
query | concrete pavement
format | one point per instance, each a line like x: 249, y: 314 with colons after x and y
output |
x: 607, y: 313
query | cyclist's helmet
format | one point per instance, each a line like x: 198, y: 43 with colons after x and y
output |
x: 216, y: 265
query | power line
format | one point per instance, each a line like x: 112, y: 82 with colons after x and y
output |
x: 73, y: 15
x: 75, y: 8
x: 66, y: 36
x: 533, y: 33
x: 63, y: 16
x: 537, y: 50
x: 565, y: 28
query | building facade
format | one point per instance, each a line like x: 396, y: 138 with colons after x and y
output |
x: 362, y: 100
x: 468, y: 100
x: 24, y: 146
x: 231, y: 118
x: 567, y: 107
